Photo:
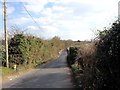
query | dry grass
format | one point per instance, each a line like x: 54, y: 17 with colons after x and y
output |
x: 88, y: 51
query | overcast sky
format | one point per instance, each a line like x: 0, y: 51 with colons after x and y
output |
x: 68, y: 19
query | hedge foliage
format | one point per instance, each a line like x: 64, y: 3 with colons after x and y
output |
x: 101, y: 61
x: 26, y: 50
x: 108, y: 62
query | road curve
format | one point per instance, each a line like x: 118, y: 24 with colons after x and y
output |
x: 54, y: 74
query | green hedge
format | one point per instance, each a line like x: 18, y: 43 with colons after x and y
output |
x: 26, y: 50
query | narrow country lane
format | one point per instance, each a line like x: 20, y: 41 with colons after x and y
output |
x: 54, y: 74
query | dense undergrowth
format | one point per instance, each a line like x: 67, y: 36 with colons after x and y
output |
x: 101, y: 61
x: 108, y: 62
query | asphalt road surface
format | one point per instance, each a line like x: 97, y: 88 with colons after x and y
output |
x: 54, y: 74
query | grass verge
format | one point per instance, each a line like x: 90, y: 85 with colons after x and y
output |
x: 8, y: 73
x: 77, y: 75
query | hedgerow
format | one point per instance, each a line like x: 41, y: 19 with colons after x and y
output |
x: 27, y: 50
x: 108, y: 54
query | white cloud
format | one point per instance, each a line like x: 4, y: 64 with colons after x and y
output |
x: 49, y: 31
x: 58, y: 8
x: 47, y: 12
x: 80, y: 35
x: 36, y: 5
x: 19, y: 21
x: 70, y: 18
x: 18, y: 0
x: 100, y: 15
x: 32, y: 28
x: 10, y: 10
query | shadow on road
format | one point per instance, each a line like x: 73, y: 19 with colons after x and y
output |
x: 46, y: 81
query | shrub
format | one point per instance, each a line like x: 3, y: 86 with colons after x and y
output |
x: 72, y: 54
x: 108, y: 53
